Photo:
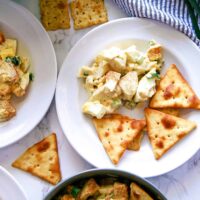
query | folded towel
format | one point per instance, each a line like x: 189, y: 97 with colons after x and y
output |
x: 172, y: 12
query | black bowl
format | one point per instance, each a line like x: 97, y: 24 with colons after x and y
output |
x: 105, y: 173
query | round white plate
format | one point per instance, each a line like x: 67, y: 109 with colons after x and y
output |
x: 71, y: 95
x: 33, y: 41
x: 9, y: 187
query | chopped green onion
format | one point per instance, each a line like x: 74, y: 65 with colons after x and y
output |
x: 152, y: 42
x: 15, y: 60
x: 154, y: 75
x: 8, y: 59
x: 85, y: 74
x: 75, y: 191
x: 130, y: 104
x: 31, y: 76
x: 116, y: 103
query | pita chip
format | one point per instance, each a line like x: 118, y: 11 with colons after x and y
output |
x: 165, y: 130
x: 116, y: 134
x: 136, y: 143
x: 174, y: 92
x: 140, y: 126
x: 41, y: 160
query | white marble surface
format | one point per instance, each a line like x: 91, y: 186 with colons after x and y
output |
x: 181, y: 184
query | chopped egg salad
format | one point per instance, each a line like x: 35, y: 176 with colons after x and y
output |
x: 14, y: 76
x: 121, y: 77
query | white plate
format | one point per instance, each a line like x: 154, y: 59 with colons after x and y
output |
x: 17, y: 22
x: 70, y: 94
x: 9, y: 187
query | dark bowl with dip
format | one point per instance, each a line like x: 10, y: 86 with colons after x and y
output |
x: 119, y: 175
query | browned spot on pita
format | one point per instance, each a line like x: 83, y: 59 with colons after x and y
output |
x: 135, y: 124
x: 194, y: 101
x: 168, y: 123
x: 181, y: 135
x: 43, y: 146
x: 55, y: 168
x: 107, y: 134
x: 160, y: 144
x: 120, y: 128
x: 168, y: 92
x: 30, y: 169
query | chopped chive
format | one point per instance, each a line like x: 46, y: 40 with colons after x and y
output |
x: 154, y: 75
x: 31, y: 76
x: 15, y: 60
x: 85, y: 74
x: 75, y: 191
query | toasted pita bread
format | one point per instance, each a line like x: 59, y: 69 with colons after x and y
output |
x: 116, y: 133
x: 165, y: 130
x: 141, y: 124
x: 136, y: 143
x: 137, y: 193
x: 170, y: 111
x: 174, y: 92
x: 41, y: 160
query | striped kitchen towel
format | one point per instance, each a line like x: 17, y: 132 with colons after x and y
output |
x: 172, y: 12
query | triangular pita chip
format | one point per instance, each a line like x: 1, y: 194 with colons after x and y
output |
x: 139, y: 125
x: 173, y: 91
x: 41, y: 160
x: 116, y: 133
x: 165, y: 130
x: 137, y: 193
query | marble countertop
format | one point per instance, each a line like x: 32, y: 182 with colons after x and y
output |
x: 180, y: 184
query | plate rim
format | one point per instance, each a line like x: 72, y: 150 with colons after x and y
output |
x: 54, y: 61
x: 12, y: 178
x: 58, y: 90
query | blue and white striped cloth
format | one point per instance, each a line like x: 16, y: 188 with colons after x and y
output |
x: 171, y: 12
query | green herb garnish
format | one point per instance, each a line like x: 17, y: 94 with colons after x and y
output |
x: 154, y: 75
x: 75, y: 191
x: 8, y: 59
x: 31, y: 76
x: 85, y: 74
x: 15, y: 60
x: 152, y: 42
x: 116, y: 103
x: 129, y: 104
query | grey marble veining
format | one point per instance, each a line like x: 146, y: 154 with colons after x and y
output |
x: 182, y: 183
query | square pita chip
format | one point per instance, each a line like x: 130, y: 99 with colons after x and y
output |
x: 55, y: 14
x: 86, y: 13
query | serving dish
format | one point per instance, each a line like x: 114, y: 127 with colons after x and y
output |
x: 105, y: 173
x: 8, y: 184
x: 34, y: 42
